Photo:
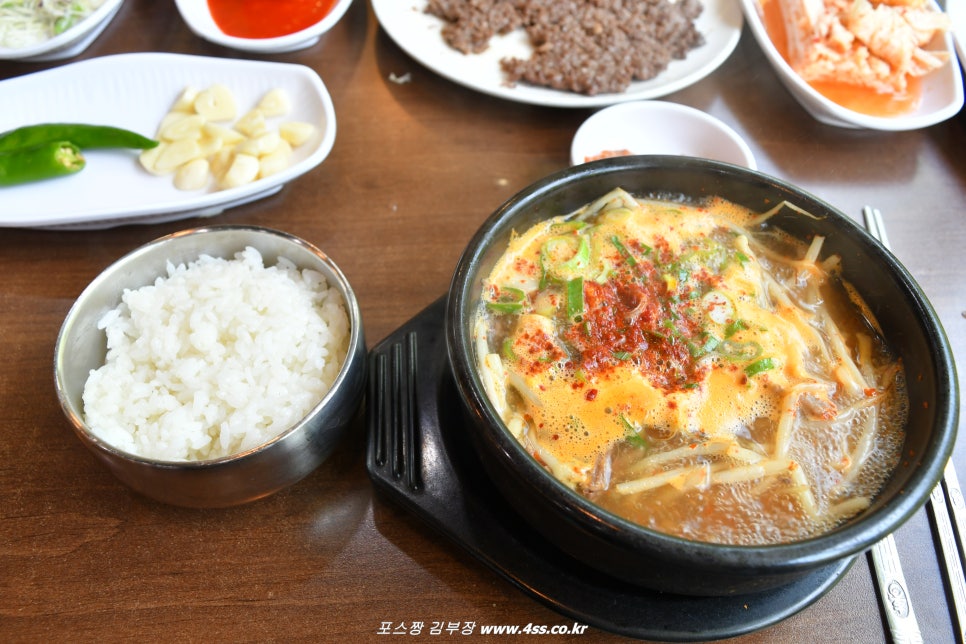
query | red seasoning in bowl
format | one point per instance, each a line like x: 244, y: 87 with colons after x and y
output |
x: 267, y: 18
x: 607, y: 154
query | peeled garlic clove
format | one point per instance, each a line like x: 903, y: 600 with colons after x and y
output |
x: 210, y: 144
x: 175, y: 153
x: 275, y: 161
x: 296, y: 132
x: 216, y: 103
x: 244, y: 168
x: 220, y: 161
x: 186, y: 101
x: 252, y: 123
x: 149, y: 158
x: 227, y: 135
x: 274, y: 103
x: 192, y: 175
x: 260, y: 145
x: 181, y: 126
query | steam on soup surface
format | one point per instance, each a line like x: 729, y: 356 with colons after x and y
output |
x: 690, y: 370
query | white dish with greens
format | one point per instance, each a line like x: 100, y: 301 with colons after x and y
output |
x: 42, y: 30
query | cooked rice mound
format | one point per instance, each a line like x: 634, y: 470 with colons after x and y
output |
x: 218, y: 357
x: 584, y: 46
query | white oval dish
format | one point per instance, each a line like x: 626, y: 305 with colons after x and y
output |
x: 659, y: 127
x: 70, y: 43
x: 135, y: 91
x: 418, y: 34
x: 942, y: 90
x: 956, y: 10
x: 197, y: 16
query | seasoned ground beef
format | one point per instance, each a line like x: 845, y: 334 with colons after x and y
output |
x: 584, y: 46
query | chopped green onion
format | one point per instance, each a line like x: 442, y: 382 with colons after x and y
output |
x: 508, y: 350
x: 759, y: 366
x: 637, y: 440
x: 508, y: 300
x: 734, y: 327
x: 626, y: 254
x: 632, y: 435
x: 567, y: 226
x: 575, y: 297
x: 622, y: 355
x: 710, y: 344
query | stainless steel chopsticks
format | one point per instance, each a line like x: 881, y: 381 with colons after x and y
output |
x: 894, y: 593
x: 947, y: 506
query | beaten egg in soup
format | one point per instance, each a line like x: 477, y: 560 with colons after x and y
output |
x: 691, y: 369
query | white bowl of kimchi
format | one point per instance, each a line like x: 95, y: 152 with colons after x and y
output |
x: 862, y: 64
x: 53, y: 30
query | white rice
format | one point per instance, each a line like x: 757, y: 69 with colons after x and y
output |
x: 217, y: 358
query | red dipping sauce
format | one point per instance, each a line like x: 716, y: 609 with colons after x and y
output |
x: 267, y: 18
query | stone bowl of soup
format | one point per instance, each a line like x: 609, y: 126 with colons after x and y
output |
x: 697, y: 378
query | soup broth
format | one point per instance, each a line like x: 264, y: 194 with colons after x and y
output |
x: 692, y: 369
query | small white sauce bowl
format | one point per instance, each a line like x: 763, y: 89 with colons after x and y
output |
x: 197, y: 16
x: 658, y: 127
x: 69, y: 43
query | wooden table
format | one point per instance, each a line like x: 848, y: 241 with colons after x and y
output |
x: 415, y: 169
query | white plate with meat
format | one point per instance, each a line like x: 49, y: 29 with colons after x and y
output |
x: 420, y: 35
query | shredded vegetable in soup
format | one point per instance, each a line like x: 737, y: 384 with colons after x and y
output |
x: 691, y: 369
x: 28, y: 22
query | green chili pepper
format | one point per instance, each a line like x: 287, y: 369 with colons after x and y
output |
x: 46, y: 161
x: 739, y: 351
x: 574, y: 248
x: 86, y: 137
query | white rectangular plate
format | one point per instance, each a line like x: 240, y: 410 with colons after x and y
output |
x: 134, y: 91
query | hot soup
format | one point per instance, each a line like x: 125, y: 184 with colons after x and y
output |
x: 692, y: 369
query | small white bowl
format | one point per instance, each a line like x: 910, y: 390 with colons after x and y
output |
x: 942, y: 90
x: 70, y: 43
x: 658, y: 127
x: 197, y: 16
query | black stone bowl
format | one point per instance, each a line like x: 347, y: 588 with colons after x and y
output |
x: 632, y: 553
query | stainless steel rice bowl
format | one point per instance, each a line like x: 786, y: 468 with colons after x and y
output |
x: 238, y: 478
